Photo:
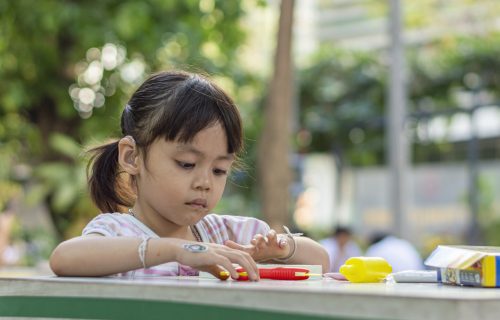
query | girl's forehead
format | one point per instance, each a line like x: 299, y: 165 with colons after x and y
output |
x: 209, y: 141
x: 207, y: 134
x: 187, y: 148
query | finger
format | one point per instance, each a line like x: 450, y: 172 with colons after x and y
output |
x: 228, y: 255
x: 272, y: 236
x: 282, y: 241
x: 217, y: 272
x: 245, y: 260
x: 250, y: 249
x: 249, y: 264
x: 259, y: 238
x: 234, y: 245
x: 260, y: 241
x: 262, y: 245
x: 225, y: 262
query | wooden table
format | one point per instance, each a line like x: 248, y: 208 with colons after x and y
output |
x: 205, y: 299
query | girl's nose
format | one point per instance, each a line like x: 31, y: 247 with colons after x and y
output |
x: 202, y: 182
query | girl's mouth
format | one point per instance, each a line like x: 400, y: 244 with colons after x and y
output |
x: 198, y: 203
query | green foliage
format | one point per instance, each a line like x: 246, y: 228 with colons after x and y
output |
x: 342, y: 94
x: 338, y: 93
x: 442, y: 72
x: 46, y: 50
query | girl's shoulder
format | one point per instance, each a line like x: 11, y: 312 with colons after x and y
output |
x: 220, y: 228
x: 115, y: 225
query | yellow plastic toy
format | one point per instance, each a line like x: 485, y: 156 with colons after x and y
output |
x: 365, y: 269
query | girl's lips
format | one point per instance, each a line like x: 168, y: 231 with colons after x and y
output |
x: 202, y: 203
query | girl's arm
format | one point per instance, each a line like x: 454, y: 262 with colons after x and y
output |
x: 308, y: 251
x: 96, y: 255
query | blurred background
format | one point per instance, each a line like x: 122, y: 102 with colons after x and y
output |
x: 382, y: 116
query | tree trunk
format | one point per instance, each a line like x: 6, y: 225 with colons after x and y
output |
x: 274, y: 147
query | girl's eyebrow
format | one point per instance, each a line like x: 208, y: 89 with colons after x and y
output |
x: 191, y: 149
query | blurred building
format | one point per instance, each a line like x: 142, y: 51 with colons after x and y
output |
x: 362, y: 24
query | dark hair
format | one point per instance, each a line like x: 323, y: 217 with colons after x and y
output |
x: 173, y: 105
x: 342, y: 230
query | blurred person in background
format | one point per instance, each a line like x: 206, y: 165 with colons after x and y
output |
x: 340, y: 247
x: 400, y: 253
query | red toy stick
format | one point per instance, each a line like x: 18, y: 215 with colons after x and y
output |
x: 279, y: 273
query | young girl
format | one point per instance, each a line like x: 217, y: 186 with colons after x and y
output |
x: 181, y: 135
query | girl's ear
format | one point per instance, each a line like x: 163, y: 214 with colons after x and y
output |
x: 128, y: 155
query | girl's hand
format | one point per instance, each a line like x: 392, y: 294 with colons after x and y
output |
x: 216, y: 258
x: 265, y: 247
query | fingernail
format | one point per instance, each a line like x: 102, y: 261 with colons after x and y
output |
x: 282, y: 243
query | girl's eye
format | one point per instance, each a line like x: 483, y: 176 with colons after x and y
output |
x: 220, y: 172
x: 185, y: 165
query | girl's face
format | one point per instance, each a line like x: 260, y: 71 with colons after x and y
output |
x: 182, y: 182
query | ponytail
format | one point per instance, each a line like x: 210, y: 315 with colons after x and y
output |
x: 106, y: 189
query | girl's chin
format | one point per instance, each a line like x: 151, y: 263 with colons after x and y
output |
x: 194, y: 215
x: 197, y: 209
